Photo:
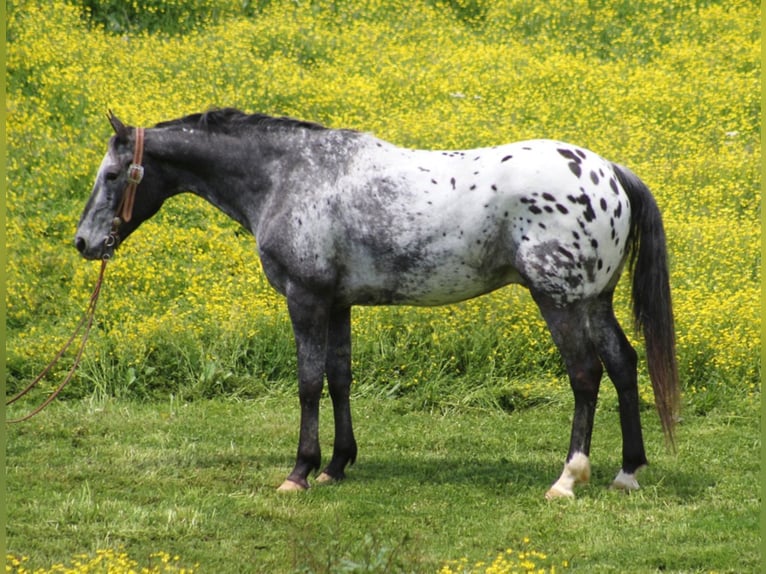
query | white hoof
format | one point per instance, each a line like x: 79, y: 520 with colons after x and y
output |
x: 325, y: 478
x: 558, y: 492
x: 576, y: 471
x: 625, y: 481
x: 290, y: 486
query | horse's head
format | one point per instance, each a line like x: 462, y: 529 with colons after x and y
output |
x: 101, y: 227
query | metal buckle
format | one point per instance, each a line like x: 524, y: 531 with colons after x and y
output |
x: 135, y: 173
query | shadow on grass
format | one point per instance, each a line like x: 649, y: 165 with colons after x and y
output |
x: 484, y: 473
x: 530, y: 475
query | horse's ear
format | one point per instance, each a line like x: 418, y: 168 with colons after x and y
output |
x: 119, y: 128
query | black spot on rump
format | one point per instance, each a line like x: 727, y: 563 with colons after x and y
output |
x: 562, y: 209
x: 534, y: 209
x: 452, y: 182
x: 566, y: 252
x: 594, y: 177
x: 575, y: 160
x: 589, y: 214
x: 548, y: 197
x: 603, y: 204
x: 618, y: 211
x: 506, y: 158
x: 569, y: 154
x: 613, y: 185
x: 575, y: 168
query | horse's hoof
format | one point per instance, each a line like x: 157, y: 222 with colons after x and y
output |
x: 576, y: 471
x: 325, y: 478
x: 556, y: 492
x: 290, y: 486
x: 625, y: 482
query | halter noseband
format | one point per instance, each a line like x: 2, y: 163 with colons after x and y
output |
x: 124, y: 211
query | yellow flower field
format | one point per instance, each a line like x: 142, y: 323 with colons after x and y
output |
x: 671, y: 90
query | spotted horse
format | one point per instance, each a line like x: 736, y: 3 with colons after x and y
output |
x: 342, y: 218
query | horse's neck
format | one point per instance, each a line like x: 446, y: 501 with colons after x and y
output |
x: 237, y: 174
x: 218, y: 169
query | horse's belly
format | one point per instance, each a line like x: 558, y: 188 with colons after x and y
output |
x: 426, y: 285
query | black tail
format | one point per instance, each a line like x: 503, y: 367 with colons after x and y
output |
x: 652, y: 305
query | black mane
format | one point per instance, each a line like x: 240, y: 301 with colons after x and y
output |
x: 231, y: 120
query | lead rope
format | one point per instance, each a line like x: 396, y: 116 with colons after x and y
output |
x: 124, y: 213
x: 87, y: 322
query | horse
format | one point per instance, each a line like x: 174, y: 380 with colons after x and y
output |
x: 343, y: 218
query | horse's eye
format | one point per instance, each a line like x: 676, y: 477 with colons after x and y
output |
x: 112, y: 175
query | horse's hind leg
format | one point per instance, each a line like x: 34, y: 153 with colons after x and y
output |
x: 620, y: 361
x: 338, y: 369
x: 568, y: 324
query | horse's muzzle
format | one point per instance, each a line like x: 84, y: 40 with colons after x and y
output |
x: 99, y: 250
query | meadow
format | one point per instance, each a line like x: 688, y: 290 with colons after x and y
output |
x: 670, y: 89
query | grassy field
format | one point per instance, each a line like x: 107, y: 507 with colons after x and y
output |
x: 182, y: 418
x: 197, y: 480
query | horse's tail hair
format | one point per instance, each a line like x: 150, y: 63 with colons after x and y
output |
x: 652, y: 305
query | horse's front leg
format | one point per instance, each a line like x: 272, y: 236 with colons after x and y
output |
x: 309, y: 316
x: 338, y: 368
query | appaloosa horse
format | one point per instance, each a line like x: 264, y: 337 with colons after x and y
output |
x: 343, y: 218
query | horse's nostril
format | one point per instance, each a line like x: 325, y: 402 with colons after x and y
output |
x: 80, y: 244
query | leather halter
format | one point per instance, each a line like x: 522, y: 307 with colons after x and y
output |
x: 135, y: 175
x: 124, y: 211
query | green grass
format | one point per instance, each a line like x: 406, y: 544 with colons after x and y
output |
x: 198, y: 480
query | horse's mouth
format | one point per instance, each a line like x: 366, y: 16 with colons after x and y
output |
x: 93, y: 252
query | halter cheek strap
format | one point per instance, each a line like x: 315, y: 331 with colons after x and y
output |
x: 135, y: 175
